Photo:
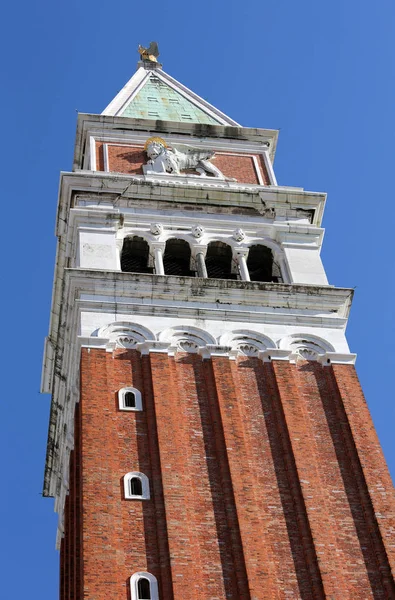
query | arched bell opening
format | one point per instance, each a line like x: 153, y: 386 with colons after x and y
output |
x: 219, y: 261
x: 134, y: 257
x: 261, y: 265
x: 177, y: 258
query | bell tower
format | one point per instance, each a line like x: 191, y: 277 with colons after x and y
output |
x: 208, y: 435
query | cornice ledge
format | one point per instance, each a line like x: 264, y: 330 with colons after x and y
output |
x: 211, y: 350
x: 87, y: 180
x: 151, y: 346
x: 92, y: 342
x: 274, y: 354
x: 337, y: 358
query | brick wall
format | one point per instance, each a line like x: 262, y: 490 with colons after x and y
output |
x: 267, y: 481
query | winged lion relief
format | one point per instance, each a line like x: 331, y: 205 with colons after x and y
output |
x: 163, y: 158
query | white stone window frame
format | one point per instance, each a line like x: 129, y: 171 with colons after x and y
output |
x: 144, y: 484
x: 134, y: 583
x: 137, y: 396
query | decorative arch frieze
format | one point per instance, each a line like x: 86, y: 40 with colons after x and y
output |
x: 122, y: 334
x: 305, y: 346
x: 186, y: 338
x: 239, y: 342
x: 246, y: 342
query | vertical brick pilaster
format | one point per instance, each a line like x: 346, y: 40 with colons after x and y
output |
x: 209, y: 508
x: 374, y: 491
x: 174, y: 450
x: 100, y: 481
x: 234, y: 544
x: 78, y: 506
x: 310, y: 470
x: 203, y: 498
x: 71, y: 528
x: 301, y: 540
x: 348, y: 546
x: 257, y: 426
x: 61, y: 572
x: 66, y: 552
x: 197, y: 526
x: 252, y: 518
x: 165, y: 579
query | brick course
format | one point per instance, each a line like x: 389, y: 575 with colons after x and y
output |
x: 266, y: 479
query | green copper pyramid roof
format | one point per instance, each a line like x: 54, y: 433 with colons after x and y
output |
x: 157, y: 100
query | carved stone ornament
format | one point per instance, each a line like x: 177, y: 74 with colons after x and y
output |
x: 239, y: 235
x: 174, y: 159
x: 307, y: 353
x: 187, y: 346
x: 197, y: 231
x: 122, y: 334
x: 248, y: 349
x: 306, y: 347
x: 156, y: 228
x: 126, y: 342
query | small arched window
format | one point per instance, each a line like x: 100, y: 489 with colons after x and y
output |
x: 219, y: 261
x: 144, y: 586
x: 136, y: 486
x: 177, y: 258
x: 129, y: 399
x: 143, y: 589
x: 134, y: 257
x: 262, y: 266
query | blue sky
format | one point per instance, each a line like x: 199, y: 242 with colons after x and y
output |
x: 321, y: 72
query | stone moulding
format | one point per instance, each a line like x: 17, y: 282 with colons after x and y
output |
x: 233, y: 344
x: 120, y: 190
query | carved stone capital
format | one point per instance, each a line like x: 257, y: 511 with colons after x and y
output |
x: 239, y: 252
x: 158, y: 245
x: 198, y: 249
x: 197, y: 231
x: 156, y: 228
x: 238, y: 235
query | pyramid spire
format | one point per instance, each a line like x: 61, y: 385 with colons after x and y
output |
x: 153, y: 94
